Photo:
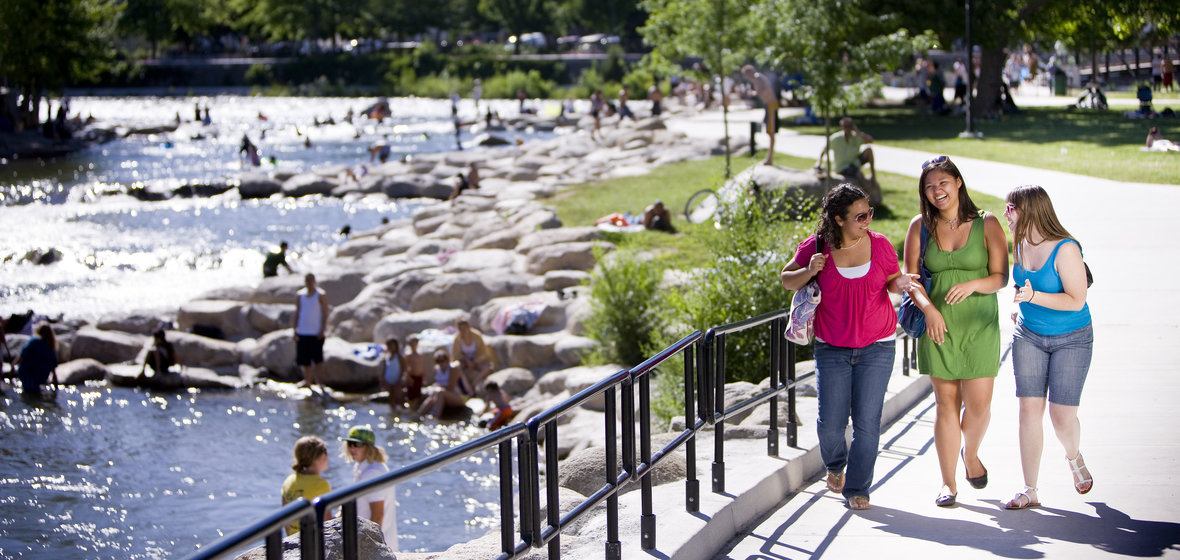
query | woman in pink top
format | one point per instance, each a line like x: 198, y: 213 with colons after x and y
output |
x: 855, y: 327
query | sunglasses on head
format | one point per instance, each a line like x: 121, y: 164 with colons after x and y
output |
x: 864, y: 217
x: 934, y: 160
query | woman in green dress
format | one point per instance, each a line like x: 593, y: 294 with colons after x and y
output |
x: 967, y: 255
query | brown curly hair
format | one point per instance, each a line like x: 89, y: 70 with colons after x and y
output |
x: 835, y: 204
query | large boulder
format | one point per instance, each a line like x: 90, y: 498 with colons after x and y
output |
x: 195, y: 350
x: 369, y: 541
x: 539, y: 238
x: 350, y: 367
x: 136, y: 324
x: 267, y: 317
x: 77, y: 372
x: 451, y: 291
x: 479, y: 259
x: 108, y: 347
x: 258, y: 185
x: 306, y: 184
x: 403, y: 324
x: 565, y: 256
x: 737, y: 392
x: 275, y: 352
x: 339, y: 285
x: 580, y: 378
x: 529, y: 352
x: 570, y: 350
x: 560, y: 279
x: 186, y: 378
x: 227, y: 316
x: 584, y: 471
x: 760, y: 179
x: 514, y: 380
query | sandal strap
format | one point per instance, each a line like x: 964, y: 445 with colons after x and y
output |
x: 1077, y: 469
x: 1028, y: 494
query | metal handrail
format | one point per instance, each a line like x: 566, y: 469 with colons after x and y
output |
x: 346, y: 498
x: 269, y: 528
x: 704, y: 374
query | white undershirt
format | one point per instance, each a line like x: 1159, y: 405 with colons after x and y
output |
x: 854, y: 272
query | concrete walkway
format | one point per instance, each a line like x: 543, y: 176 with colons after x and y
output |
x: 1131, y: 437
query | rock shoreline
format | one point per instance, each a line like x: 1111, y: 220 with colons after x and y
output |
x: 490, y: 250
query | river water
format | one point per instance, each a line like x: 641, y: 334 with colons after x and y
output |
x: 121, y: 473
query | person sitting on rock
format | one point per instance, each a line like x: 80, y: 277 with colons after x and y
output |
x: 394, y: 377
x: 450, y: 391
x: 415, y: 372
x: 160, y: 357
x: 474, y: 356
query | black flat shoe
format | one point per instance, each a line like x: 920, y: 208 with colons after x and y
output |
x: 978, y: 482
x: 945, y: 500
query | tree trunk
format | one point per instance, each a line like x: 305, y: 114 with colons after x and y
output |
x: 991, y: 67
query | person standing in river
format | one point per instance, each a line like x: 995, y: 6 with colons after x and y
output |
x: 37, y: 361
x: 311, y: 317
x: 275, y: 259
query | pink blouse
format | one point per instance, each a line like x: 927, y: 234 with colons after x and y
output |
x: 854, y: 312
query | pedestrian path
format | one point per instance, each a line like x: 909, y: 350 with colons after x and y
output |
x: 1130, y: 436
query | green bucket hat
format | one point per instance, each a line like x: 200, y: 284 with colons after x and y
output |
x: 361, y: 434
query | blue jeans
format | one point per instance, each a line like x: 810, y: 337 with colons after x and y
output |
x: 852, y: 382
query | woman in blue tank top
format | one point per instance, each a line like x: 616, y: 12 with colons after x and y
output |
x: 1053, y: 340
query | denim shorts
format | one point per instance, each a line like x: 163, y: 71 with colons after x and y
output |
x: 1053, y: 364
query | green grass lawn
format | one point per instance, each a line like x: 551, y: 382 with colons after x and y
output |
x: 674, y: 184
x: 1098, y: 144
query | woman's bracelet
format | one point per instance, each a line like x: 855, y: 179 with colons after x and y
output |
x: 1034, y: 294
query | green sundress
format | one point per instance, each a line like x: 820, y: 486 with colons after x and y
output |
x: 972, y: 345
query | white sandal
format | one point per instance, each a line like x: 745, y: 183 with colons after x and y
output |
x: 1024, y: 499
x: 1081, y: 482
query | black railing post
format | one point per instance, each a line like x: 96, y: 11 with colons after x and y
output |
x: 530, y: 487
x: 274, y: 545
x: 614, y: 549
x: 552, y: 500
x: 914, y: 355
x: 692, y: 486
x: 311, y: 535
x: 753, y: 137
x: 348, y: 529
x: 647, y: 519
x: 718, y: 413
x: 792, y: 413
x: 705, y: 379
x: 507, y: 545
x: 776, y: 327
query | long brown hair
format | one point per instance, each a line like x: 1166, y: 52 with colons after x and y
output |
x: 835, y: 204
x: 967, y: 209
x: 1036, y: 209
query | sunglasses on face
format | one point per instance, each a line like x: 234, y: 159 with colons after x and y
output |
x: 1010, y: 208
x: 864, y: 217
x: 934, y: 160
x: 355, y: 444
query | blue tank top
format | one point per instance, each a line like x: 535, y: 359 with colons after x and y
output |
x: 1043, y: 320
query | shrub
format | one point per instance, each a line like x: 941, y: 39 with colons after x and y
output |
x: 505, y: 86
x: 747, y: 256
x: 625, y: 308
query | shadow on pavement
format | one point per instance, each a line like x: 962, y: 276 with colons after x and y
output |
x: 1110, y: 530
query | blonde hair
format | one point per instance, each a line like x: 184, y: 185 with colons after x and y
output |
x: 1036, y: 210
x: 307, y: 450
x: 373, y: 454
